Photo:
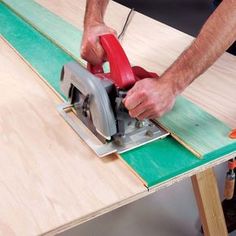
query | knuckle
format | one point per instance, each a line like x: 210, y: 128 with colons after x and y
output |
x: 169, y: 108
x: 140, y: 118
x: 151, y: 104
x: 143, y: 93
x: 127, y: 103
x: 84, y: 56
x: 131, y: 113
x: 91, y: 38
x: 157, y: 112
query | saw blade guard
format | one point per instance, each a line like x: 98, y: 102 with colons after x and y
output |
x: 76, y: 76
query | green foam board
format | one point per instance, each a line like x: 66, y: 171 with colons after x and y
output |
x: 166, y: 159
x: 60, y: 32
x: 155, y: 162
x: 197, y: 128
x: 42, y: 54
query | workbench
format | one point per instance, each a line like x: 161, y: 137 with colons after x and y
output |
x: 50, y: 180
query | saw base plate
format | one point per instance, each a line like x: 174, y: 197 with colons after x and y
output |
x: 132, y: 140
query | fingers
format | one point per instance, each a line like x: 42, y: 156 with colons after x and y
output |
x: 143, y: 111
x: 135, y: 101
x: 91, y: 49
x: 148, y: 114
x: 153, y: 111
x: 140, y: 109
x: 149, y: 99
x: 132, y: 100
x: 92, y: 52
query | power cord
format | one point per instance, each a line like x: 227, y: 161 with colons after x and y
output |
x: 127, y: 21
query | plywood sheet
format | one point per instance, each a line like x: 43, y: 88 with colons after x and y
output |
x: 52, y: 193
x: 49, y: 178
x: 200, y: 132
x: 155, y: 162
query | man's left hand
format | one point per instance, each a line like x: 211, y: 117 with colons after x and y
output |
x: 150, y: 98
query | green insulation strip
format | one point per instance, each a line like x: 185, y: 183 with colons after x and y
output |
x: 155, y: 162
x: 42, y: 54
x: 165, y: 159
x: 60, y: 32
x: 197, y: 128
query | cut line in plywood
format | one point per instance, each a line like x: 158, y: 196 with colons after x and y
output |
x: 152, y: 162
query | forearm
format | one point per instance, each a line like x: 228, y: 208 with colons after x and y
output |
x: 217, y: 34
x: 95, y: 10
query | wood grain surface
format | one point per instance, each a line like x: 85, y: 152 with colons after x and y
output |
x: 154, y: 162
x: 199, y: 140
x: 53, y: 193
x: 209, y: 203
x: 48, y: 176
x: 198, y: 131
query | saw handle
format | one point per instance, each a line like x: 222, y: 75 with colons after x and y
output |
x: 121, y: 73
x: 120, y: 69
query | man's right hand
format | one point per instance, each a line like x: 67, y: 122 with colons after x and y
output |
x: 91, y: 49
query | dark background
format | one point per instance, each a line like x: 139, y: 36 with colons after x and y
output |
x: 185, y: 15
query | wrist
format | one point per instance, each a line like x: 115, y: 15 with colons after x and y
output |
x: 93, y: 21
x: 173, y: 83
x: 181, y: 74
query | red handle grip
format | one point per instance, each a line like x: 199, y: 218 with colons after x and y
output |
x: 121, y: 71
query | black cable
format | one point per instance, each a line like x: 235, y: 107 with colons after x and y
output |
x: 126, y: 23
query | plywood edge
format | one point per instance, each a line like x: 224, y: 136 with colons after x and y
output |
x: 145, y: 183
x: 221, y: 151
x: 93, y: 215
x: 192, y: 172
x: 139, y: 176
x: 151, y: 190
x: 214, y: 154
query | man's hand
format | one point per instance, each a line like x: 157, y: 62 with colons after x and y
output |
x: 150, y: 98
x: 91, y: 49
